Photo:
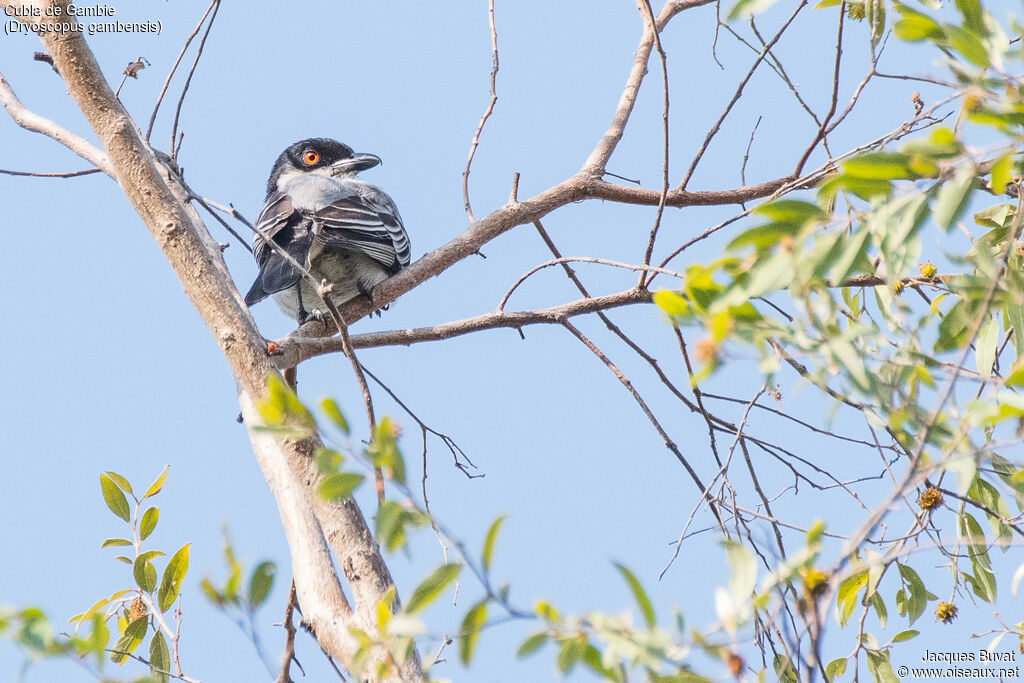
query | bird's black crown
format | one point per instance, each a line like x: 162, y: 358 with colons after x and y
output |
x: 307, y: 155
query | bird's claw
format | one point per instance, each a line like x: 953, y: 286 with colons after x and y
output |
x: 305, y: 316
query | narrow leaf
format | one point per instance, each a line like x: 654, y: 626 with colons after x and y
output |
x: 158, y: 484
x: 489, y: 540
x: 173, y: 575
x: 333, y: 412
x: 159, y: 657
x: 432, y: 586
x: 639, y: 595
x: 532, y: 644
x: 114, y: 498
x: 122, y: 483
x: 985, y: 347
x: 148, y: 523
x: 260, y: 583
x: 953, y: 197
x: 338, y: 486
x: 471, y: 625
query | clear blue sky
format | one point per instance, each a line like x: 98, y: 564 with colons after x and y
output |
x: 109, y: 366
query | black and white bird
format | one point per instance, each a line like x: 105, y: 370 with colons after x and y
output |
x: 340, y: 229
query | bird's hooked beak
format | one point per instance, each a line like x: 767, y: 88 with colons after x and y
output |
x: 346, y: 168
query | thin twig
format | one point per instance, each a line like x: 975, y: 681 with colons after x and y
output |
x: 39, y: 174
x: 174, y: 68
x: 487, y: 114
x: 288, y: 656
x: 173, y: 151
x: 645, y: 6
x: 581, y: 259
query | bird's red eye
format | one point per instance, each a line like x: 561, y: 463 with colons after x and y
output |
x: 310, y: 157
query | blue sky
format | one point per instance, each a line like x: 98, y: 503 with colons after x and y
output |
x: 111, y: 368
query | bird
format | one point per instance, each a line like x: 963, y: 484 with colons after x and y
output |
x: 343, y: 231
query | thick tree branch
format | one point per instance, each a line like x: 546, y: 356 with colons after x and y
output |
x: 161, y: 201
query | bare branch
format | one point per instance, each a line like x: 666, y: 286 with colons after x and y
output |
x: 31, y: 121
x: 174, y: 67
x: 296, y: 348
x: 175, y: 148
x: 487, y: 114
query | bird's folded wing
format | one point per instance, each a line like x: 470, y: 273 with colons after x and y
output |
x: 368, y: 224
x: 290, y: 233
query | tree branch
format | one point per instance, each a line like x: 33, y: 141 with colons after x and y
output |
x: 161, y: 201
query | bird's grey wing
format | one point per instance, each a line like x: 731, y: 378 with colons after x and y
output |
x: 290, y: 232
x: 367, y: 222
x: 273, y: 217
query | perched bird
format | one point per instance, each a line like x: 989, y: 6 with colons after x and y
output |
x: 340, y: 229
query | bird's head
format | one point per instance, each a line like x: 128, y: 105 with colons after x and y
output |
x: 318, y: 155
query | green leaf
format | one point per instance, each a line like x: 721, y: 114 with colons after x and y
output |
x: 835, y: 669
x: 914, y: 26
x: 432, y: 586
x: 489, y: 540
x: 784, y: 669
x: 998, y: 216
x: 846, y: 595
x: 742, y: 570
x: 985, y: 347
x: 383, y: 450
x: 878, y: 605
x: 880, y: 668
x: 211, y: 592
x: 878, y: 166
x: 1013, y: 317
x: 791, y: 211
x: 282, y: 408
x: 672, y: 303
x: 470, y: 631
x: 853, y: 254
x: 144, y: 572
x: 333, y: 412
x: 984, y: 581
x: 876, y: 19
x: 148, y: 523
x: 338, y: 486
x: 973, y: 17
x: 905, y: 635
x: 260, y: 583
x: 953, y: 328
x: 122, y: 483
x: 159, y: 657
x: 391, y: 522
x: 157, y: 484
x: 1002, y: 173
x: 114, y: 498
x: 969, y: 45
x: 115, y: 542
x: 916, y: 594
x: 638, y: 594
x: 764, y: 236
x: 748, y: 8
x: 79, y: 619
x: 174, y: 573
x: 532, y: 644
x: 571, y: 652
x: 953, y: 197
x: 129, y: 640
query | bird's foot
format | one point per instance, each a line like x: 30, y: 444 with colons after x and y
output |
x: 305, y: 316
